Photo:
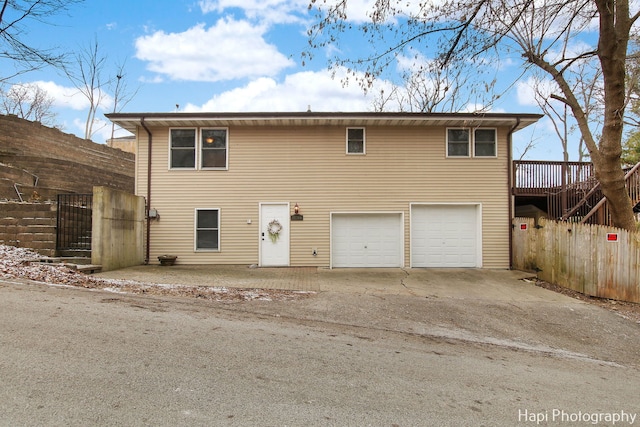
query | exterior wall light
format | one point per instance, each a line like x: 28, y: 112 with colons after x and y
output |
x: 296, y: 213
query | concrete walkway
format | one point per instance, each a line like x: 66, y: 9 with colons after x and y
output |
x: 477, y: 284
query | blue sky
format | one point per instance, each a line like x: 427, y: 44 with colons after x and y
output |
x: 223, y: 55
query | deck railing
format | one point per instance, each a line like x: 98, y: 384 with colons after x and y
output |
x: 538, y: 178
x: 599, y: 214
x: 571, y: 189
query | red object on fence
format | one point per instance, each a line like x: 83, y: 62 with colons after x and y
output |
x: 523, y: 226
x: 612, y: 237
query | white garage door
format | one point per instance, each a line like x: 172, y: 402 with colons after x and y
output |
x: 445, y: 236
x: 366, y: 240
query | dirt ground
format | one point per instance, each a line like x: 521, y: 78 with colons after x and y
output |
x: 629, y: 310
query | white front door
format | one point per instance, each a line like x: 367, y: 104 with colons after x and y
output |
x: 274, y: 234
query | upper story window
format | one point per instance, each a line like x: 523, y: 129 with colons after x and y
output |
x: 461, y: 141
x: 485, y: 143
x: 355, y: 141
x: 183, y: 148
x: 214, y: 149
x: 457, y: 142
x: 207, y: 148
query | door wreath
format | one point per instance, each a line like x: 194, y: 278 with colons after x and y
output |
x: 274, y: 228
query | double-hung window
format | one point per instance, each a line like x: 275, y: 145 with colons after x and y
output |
x: 484, y: 143
x: 480, y: 142
x: 355, y: 141
x: 458, y: 143
x: 192, y: 148
x: 214, y: 148
x: 207, y: 229
x: 183, y: 148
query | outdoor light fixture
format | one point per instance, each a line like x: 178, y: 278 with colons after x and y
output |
x: 296, y: 213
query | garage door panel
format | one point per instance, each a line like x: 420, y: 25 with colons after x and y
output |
x: 366, y: 240
x: 444, y: 235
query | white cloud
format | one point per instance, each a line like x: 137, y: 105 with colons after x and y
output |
x: 228, y: 50
x: 528, y: 90
x: 296, y: 93
x: 269, y: 11
x: 64, y: 97
x: 357, y: 11
x: 101, y: 130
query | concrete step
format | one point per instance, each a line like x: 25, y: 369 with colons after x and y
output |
x: 78, y: 253
x: 87, y: 268
x: 81, y: 264
x: 78, y: 260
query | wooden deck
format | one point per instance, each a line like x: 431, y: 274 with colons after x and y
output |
x: 568, y: 190
x: 539, y: 178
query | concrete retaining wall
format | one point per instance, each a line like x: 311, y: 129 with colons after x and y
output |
x: 118, y: 229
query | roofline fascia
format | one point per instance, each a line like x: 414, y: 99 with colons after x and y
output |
x: 321, y: 115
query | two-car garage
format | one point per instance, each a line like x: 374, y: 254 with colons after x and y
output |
x: 441, y: 235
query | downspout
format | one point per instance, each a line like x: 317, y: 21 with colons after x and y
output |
x: 510, y: 187
x: 148, y: 237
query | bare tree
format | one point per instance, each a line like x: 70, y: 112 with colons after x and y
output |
x: 28, y: 101
x: 89, y: 78
x: 16, y: 16
x: 430, y: 87
x: 122, y: 94
x: 471, y: 33
x: 588, y: 91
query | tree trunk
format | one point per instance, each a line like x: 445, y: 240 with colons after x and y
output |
x: 612, y: 50
x: 609, y: 173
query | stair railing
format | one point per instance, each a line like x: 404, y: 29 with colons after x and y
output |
x: 633, y: 190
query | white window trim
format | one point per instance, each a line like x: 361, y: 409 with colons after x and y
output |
x: 364, y: 141
x: 201, y: 144
x: 446, y: 143
x: 472, y: 142
x: 195, y: 230
x: 495, y: 142
x: 198, y: 149
x: 170, y: 148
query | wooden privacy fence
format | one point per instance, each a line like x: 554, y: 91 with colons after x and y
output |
x: 596, y: 260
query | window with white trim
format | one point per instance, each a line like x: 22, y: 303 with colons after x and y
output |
x: 182, y: 144
x: 214, y: 148
x: 355, y: 141
x: 207, y: 230
x: 484, y: 143
x: 462, y: 142
x: 458, y: 143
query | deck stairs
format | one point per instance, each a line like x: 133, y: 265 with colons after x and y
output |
x: 571, y: 190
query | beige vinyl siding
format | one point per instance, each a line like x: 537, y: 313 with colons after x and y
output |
x: 309, y: 166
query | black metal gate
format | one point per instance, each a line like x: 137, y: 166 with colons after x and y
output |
x: 74, y: 222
